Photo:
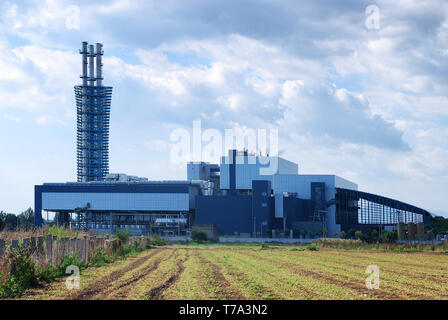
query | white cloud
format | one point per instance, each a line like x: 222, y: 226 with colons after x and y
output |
x: 12, y: 118
x: 347, y: 100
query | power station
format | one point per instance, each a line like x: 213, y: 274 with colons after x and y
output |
x: 236, y: 195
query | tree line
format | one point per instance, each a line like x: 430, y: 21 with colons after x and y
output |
x: 23, y: 221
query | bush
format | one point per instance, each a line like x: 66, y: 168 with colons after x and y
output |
x: 389, y: 236
x: 311, y: 247
x: 99, y: 258
x: 198, y: 236
x: 72, y: 259
x: 123, y: 235
x: 21, y: 276
x: 157, y: 241
x: 358, y: 234
x: 264, y: 245
x: 343, y: 234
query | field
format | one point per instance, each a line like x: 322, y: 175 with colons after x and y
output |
x: 249, y: 272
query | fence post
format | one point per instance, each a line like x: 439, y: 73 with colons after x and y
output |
x: 49, y: 248
x: 40, y: 245
x: 55, y: 250
x: 73, y: 245
x: 26, y: 243
x: 2, y: 247
x: 66, y: 247
x: 84, y: 249
x: 33, y: 243
x: 93, y: 247
x: 107, y: 247
x: 79, y: 248
x: 14, y: 243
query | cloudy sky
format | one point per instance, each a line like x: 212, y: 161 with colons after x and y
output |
x: 367, y: 103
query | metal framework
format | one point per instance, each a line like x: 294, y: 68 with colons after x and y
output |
x: 357, y: 207
x: 162, y: 223
x: 93, y: 116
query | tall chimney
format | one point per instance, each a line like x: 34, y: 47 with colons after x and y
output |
x: 91, y: 65
x: 84, y: 52
x: 99, y: 65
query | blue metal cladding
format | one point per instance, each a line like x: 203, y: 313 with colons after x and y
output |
x: 93, y: 132
x: 296, y: 210
x: 230, y: 213
x: 232, y: 172
x: 261, y: 207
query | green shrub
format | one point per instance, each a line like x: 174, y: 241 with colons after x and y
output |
x: 311, y: 247
x: 264, y: 246
x: 22, y: 274
x: 198, y: 236
x: 123, y: 235
x: 99, y: 258
x: 157, y: 241
x: 48, y: 273
x: 389, y: 236
x: 72, y: 259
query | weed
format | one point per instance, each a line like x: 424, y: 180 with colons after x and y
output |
x: 312, y: 247
x: 22, y: 274
x: 264, y: 246
x: 157, y: 241
x: 99, y: 258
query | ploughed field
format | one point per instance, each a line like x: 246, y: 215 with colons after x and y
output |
x: 248, y: 272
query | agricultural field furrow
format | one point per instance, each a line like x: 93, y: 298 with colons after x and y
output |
x: 253, y: 285
x: 412, y: 278
x: 214, y: 281
x: 405, y: 260
x: 120, y: 288
x: 58, y: 290
x: 415, y: 284
x: 297, y: 279
x: 339, y: 274
x: 250, y: 272
x: 283, y: 282
x: 188, y: 286
x: 105, y: 282
x: 154, y: 284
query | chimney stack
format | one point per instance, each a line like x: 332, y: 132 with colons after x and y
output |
x: 99, y: 65
x: 91, y: 65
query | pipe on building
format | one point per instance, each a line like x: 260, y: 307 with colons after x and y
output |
x: 84, y: 77
x: 91, y: 66
x: 99, y: 65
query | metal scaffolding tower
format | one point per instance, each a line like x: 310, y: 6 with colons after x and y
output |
x: 93, y: 102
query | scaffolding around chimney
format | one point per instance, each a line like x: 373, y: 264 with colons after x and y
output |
x: 93, y: 102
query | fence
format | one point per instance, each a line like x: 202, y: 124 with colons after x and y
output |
x: 54, y: 250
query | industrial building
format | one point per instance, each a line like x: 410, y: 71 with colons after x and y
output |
x: 239, y: 196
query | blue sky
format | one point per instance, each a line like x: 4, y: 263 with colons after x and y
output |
x: 369, y: 105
